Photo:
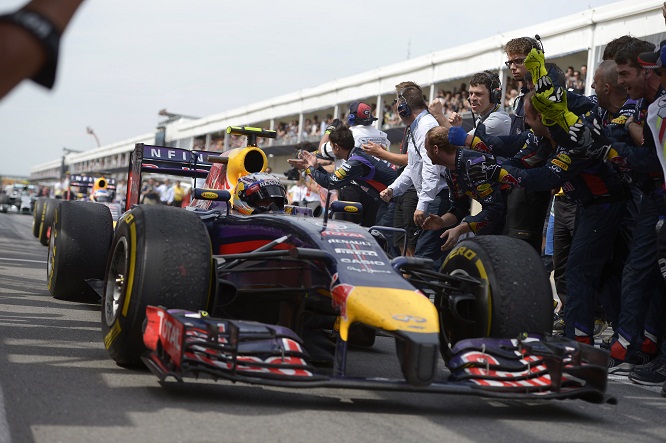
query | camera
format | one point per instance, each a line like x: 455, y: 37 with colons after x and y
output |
x: 292, y: 174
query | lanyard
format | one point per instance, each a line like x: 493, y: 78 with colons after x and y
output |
x: 410, y: 132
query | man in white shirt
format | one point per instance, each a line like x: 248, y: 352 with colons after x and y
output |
x: 360, y: 121
x: 427, y: 178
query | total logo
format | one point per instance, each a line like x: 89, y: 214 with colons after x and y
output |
x: 333, y: 226
x: 342, y: 234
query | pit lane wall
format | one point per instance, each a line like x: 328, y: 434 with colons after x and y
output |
x: 573, y: 40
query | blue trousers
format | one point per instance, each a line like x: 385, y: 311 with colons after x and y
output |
x: 642, y: 286
x: 596, y: 228
x: 429, y: 244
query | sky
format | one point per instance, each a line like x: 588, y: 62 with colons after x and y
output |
x: 122, y: 61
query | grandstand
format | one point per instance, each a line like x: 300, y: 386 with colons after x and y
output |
x: 574, y: 40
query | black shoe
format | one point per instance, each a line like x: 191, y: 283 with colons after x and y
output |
x: 651, y: 374
x: 619, y: 367
x: 558, y: 322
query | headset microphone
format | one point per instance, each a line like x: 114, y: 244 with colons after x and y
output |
x: 403, y: 108
x: 539, y: 43
x: 494, y: 87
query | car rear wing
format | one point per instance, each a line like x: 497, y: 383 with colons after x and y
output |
x: 163, y: 160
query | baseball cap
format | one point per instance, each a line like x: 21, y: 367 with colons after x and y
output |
x: 653, y: 60
x: 362, y: 111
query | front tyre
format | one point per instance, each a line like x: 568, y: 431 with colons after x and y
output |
x: 160, y: 256
x: 518, y: 296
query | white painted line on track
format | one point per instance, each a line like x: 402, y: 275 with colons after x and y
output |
x: 5, y: 436
x: 23, y: 260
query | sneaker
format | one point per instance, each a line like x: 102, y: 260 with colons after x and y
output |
x: 558, y: 322
x: 619, y: 367
x: 599, y: 326
x: 651, y: 374
x: 642, y: 359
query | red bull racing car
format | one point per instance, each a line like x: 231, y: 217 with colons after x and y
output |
x: 280, y: 297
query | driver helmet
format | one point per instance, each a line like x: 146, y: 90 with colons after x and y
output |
x: 259, y: 192
x: 101, y: 195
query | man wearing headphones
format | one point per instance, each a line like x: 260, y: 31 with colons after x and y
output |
x: 485, y: 97
x: 427, y: 178
x: 526, y: 208
x: 360, y: 121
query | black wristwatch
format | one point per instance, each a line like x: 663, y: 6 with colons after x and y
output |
x: 48, y: 36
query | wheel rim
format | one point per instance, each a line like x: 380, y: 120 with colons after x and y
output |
x: 115, y: 281
x: 465, y: 311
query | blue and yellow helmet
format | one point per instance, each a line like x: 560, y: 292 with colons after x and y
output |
x: 259, y: 192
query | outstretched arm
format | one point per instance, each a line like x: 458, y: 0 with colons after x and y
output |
x: 24, y: 54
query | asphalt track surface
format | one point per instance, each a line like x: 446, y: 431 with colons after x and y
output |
x: 57, y: 384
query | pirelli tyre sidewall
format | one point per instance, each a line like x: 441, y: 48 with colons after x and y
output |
x: 160, y: 256
x: 37, y: 216
x: 79, y: 243
x: 47, y: 218
x: 519, y: 298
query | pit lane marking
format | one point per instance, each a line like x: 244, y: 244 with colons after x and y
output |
x: 4, y: 426
x: 24, y: 260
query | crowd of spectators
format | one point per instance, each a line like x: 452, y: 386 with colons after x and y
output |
x: 456, y: 100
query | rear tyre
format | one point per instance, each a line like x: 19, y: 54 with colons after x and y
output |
x: 519, y: 296
x: 47, y: 220
x: 79, y: 244
x: 160, y: 256
x: 37, y: 216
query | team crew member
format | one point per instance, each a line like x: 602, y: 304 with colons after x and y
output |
x: 360, y: 170
x: 490, y: 220
x: 641, y: 316
x: 427, y: 179
x: 601, y: 196
x: 360, y: 121
x: 485, y: 95
x: 526, y: 208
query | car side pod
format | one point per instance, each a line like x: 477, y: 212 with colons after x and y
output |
x: 406, y: 314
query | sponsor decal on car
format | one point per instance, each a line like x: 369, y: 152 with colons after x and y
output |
x: 368, y: 270
x: 355, y: 252
x: 362, y: 262
x: 349, y: 242
x: 341, y: 234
